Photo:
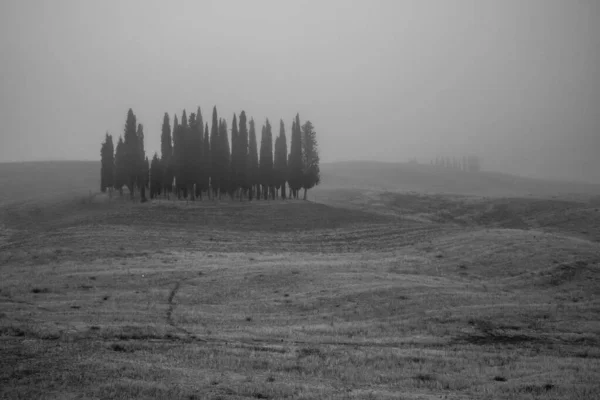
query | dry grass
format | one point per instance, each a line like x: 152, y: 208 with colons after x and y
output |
x: 109, y: 299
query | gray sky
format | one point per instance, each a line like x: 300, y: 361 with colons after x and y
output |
x: 514, y: 81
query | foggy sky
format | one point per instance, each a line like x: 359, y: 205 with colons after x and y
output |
x: 516, y: 82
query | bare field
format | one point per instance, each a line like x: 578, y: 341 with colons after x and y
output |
x: 363, y: 295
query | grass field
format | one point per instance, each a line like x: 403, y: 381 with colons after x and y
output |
x: 362, y: 295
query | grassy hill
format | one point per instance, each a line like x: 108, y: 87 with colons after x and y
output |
x: 37, y: 179
x: 365, y: 295
x: 429, y: 179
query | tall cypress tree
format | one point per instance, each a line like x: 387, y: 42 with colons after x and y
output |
x: 107, y: 159
x: 280, y: 160
x: 145, y: 177
x: 252, y: 170
x: 224, y: 158
x: 295, y: 159
x: 235, y: 156
x: 190, y: 155
x: 206, y: 161
x: 276, y: 173
x: 166, y: 150
x: 177, y: 159
x: 121, y: 174
x: 266, y: 160
x: 311, y: 175
x: 215, y: 168
x: 183, y: 176
x: 198, y: 133
x: 131, y: 152
x: 142, y: 167
x: 156, y: 176
x: 243, y: 153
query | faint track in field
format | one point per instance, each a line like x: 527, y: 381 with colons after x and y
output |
x: 171, y: 308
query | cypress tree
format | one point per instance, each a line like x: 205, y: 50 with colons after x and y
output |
x: 242, y: 161
x: 266, y: 160
x: 107, y: 160
x: 156, y: 176
x: 276, y: 173
x: 235, y: 157
x: 206, y: 162
x: 252, y: 170
x: 182, y: 179
x: 280, y: 160
x: 224, y: 159
x: 166, y: 149
x: 311, y: 175
x: 131, y: 152
x: 145, y: 178
x: 215, y: 168
x: 190, y: 156
x: 198, y: 156
x: 142, y: 168
x: 121, y: 175
x: 295, y: 159
x: 177, y: 156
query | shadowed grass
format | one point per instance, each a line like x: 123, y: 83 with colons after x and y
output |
x: 356, y: 309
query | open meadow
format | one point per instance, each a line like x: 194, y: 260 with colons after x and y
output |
x: 365, y: 293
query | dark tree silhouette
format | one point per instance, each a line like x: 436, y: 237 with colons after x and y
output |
x: 156, y: 177
x: 177, y: 159
x: 311, y: 175
x: 235, y: 158
x: 166, y: 148
x: 252, y: 169
x: 295, y: 175
x: 215, y: 151
x: 242, y: 157
x: 266, y: 161
x: 107, y: 160
x: 206, y: 162
x: 280, y: 160
x: 183, y: 178
x: 197, y: 153
x: 199, y: 160
x: 190, y: 154
x: 224, y: 160
x: 131, y: 152
x: 142, y: 164
x: 121, y: 174
x: 145, y: 178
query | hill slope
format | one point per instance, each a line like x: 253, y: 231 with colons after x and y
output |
x: 33, y: 179
x: 430, y: 179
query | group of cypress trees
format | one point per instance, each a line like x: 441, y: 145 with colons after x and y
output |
x: 467, y: 164
x: 196, y: 161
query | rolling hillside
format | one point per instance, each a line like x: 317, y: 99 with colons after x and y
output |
x: 21, y: 181
x: 429, y: 179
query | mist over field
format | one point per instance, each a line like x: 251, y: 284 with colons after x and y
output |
x: 512, y: 82
x: 299, y: 199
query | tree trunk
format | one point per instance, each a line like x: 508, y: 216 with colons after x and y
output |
x: 305, y: 190
x: 143, y: 194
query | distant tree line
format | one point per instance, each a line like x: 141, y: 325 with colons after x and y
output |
x: 196, y: 162
x: 466, y: 163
